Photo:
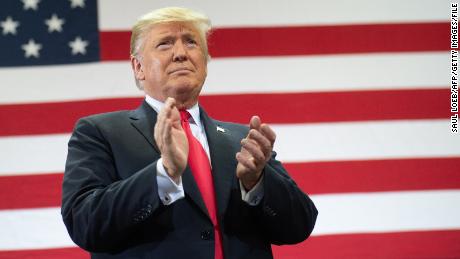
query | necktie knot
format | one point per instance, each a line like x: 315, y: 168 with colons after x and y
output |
x: 184, y: 115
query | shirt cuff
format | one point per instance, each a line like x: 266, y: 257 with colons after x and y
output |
x: 255, y: 195
x: 168, y: 190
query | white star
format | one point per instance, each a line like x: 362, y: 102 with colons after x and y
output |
x: 54, y: 23
x: 30, y: 4
x: 77, y: 3
x: 31, y: 49
x: 9, y: 26
x: 78, y: 46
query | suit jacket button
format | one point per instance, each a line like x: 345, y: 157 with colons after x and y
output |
x: 206, y: 235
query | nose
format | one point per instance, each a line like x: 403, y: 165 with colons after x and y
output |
x: 179, y: 51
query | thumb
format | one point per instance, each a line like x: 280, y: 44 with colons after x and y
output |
x: 255, y: 122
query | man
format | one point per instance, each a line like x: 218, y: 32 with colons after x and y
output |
x: 168, y: 181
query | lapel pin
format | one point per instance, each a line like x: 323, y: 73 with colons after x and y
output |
x: 220, y: 129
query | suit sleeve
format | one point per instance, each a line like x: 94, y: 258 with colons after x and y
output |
x: 285, y: 215
x: 98, y: 208
x: 288, y: 214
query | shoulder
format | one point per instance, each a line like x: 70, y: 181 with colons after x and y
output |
x: 106, y: 117
x: 104, y: 121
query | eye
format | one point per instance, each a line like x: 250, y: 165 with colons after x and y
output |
x: 191, y: 42
x: 164, y: 44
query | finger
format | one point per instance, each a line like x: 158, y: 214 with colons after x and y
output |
x: 162, y: 122
x: 262, y: 141
x: 166, y: 111
x: 246, y: 161
x: 175, y: 117
x: 166, y: 134
x: 162, y: 129
x: 268, y: 132
x: 254, y: 123
x: 254, y: 150
x: 156, y: 136
x: 169, y: 106
x: 245, y: 152
x: 158, y: 130
x: 172, y: 112
x: 170, y: 102
x: 163, y: 116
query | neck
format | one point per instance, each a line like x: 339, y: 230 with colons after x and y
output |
x: 182, y: 101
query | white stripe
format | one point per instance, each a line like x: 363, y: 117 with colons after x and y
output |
x: 236, y: 75
x: 69, y: 82
x: 33, y: 229
x: 365, y: 140
x: 295, y: 143
x: 120, y: 14
x: 33, y: 154
x: 328, y: 73
x: 387, y: 212
x: 338, y: 214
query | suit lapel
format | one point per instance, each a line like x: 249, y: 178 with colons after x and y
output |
x: 144, y: 119
x: 222, y: 160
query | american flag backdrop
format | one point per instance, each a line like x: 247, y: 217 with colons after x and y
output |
x: 358, y: 93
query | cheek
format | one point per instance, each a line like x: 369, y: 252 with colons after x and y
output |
x: 156, y: 69
x: 156, y: 65
x: 202, y: 66
x: 205, y: 69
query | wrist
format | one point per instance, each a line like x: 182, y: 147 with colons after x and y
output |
x: 250, y: 182
x: 172, y: 173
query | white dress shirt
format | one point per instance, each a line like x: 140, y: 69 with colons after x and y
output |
x: 168, y: 190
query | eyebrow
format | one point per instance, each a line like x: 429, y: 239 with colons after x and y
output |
x: 167, y: 36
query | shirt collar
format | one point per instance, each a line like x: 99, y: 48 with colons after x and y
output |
x: 157, y: 106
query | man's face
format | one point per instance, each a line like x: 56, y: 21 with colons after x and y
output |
x: 172, y: 63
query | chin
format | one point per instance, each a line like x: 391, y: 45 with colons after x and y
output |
x: 185, y: 93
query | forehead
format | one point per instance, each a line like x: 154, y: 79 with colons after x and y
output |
x: 174, y: 29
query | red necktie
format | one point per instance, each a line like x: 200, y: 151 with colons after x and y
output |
x: 201, y: 170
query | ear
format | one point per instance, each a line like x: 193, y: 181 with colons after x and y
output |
x: 206, y: 66
x: 137, y: 68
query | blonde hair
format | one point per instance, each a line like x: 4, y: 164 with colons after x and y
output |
x: 198, y: 20
x: 165, y: 15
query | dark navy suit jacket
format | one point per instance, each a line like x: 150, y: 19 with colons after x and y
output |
x: 111, y: 207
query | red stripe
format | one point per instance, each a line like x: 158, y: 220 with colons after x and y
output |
x: 61, y: 253
x: 60, y: 117
x: 56, y: 117
x: 331, y: 106
x: 423, y: 244
x: 28, y: 191
x: 305, y: 40
x: 376, y: 175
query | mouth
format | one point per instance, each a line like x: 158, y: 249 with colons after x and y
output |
x: 181, y: 70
